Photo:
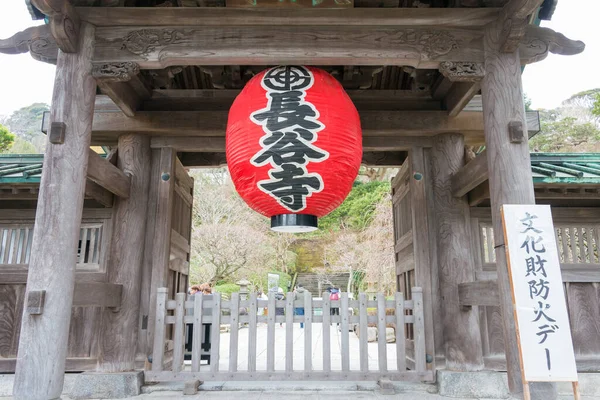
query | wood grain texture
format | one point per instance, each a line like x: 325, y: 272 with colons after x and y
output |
x: 469, y: 176
x: 127, y: 253
x: 478, y: 293
x: 163, y: 218
x: 509, y: 164
x: 422, y: 215
x: 296, y: 4
x: 455, y: 265
x: 222, y: 16
x: 64, y: 23
x: 108, y: 176
x: 161, y: 47
x: 43, y: 343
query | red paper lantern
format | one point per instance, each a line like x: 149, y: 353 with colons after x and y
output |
x: 294, y: 146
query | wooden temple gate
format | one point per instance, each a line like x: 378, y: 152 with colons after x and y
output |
x: 168, y: 75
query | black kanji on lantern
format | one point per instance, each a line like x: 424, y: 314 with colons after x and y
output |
x: 291, y: 125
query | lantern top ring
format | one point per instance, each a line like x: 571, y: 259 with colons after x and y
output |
x: 294, y: 223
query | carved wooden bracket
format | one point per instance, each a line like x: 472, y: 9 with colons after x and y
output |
x: 539, y: 41
x: 514, y: 22
x: 458, y: 71
x: 123, y: 83
x: 37, y: 40
x: 64, y: 22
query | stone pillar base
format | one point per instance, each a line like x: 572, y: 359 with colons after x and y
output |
x: 100, y: 385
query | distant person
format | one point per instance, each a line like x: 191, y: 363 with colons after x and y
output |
x: 262, y: 296
x: 299, y: 295
x: 334, y: 296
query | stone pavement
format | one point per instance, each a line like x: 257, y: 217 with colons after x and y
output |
x: 317, y: 349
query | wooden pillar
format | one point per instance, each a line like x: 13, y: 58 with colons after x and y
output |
x: 120, y: 327
x: 421, y: 222
x: 43, y: 340
x: 509, y: 169
x: 164, y: 177
x: 462, y: 337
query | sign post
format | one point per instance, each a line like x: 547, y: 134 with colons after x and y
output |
x: 540, y: 310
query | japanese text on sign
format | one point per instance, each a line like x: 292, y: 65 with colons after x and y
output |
x: 291, y: 125
x: 540, y: 307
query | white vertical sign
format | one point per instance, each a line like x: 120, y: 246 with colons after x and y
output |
x: 543, y: 328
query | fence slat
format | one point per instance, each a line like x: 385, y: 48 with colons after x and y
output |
x: 326, y: 332
x: 178, y: 334
x: 252, y: 314
x: 158, y: 348
x: 419, y: 329
x: 289, y: 332
x: 197, y: 333
x: 308, y: 331
x: 381, y: 336
x: 215, y: 334
x: 363, y: 333
x: 344, y: 333
x: 400, y: 337
x: 234, y: 313
x: 7, y: 236
x: 271, y: 334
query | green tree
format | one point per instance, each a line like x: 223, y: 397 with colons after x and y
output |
x: 596, y: 106
x: 21, y: 146
x: 26, y: 123
x: 6, y: 139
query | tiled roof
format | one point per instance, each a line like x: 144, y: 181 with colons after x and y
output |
x: 577, y: 168
x: 20, y: 168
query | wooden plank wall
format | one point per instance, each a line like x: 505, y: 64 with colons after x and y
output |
x: 85, y: 321
x: 403, y: 234
x: 578, y: 241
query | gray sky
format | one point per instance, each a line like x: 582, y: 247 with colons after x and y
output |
x: 24, y: 81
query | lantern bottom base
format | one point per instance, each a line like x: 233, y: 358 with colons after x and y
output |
x: 294, y: 223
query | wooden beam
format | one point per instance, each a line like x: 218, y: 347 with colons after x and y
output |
x: 479, y: 194
x: 109, y: 125
x: 469, y: 176
x: 97, y: 294
x: 157, y: 48
x: 221, y: 100
x: 209, y: 144
x: 538, y: 42
x: 459, y: 96
x: 98, y: 193
x: 226, y: 17
x: 462, y: 335
x: 43, y: 340
x: 118, y: 338
x: 478, y: 293
x: 64, y: 23
x: 107, y: 175
x: 122, y: 83
x: 392, y: 159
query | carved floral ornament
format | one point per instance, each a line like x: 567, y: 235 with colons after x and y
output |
x: 119, y: 72
x: 144, y: 41
x: 457, y: 71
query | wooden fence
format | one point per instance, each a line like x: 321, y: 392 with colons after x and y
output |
x: 175, y: 314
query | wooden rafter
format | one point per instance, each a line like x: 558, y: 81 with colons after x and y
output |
x: 122, y: 83
x: 108, y: 176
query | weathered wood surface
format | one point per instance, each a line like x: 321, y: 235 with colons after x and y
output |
x: 514, y: 20
x: 121, y: 82
x: 412, y: 124
x: 469, y: 176
x: 459, y: 96
x: 107, y: 175
x: 478, y: 293
x: 127, y: 253
x: 421, y: 217
x: 64, y: 23
x: 223, y: 17
x: 91, y: 294
x: 37, y: 40
x: 509, y: 169
x: 43, y: 342
x: 296, y: 4
x: 462, y: 336
x: 164, y: 177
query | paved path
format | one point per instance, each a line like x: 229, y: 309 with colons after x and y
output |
x: 317, y: 349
